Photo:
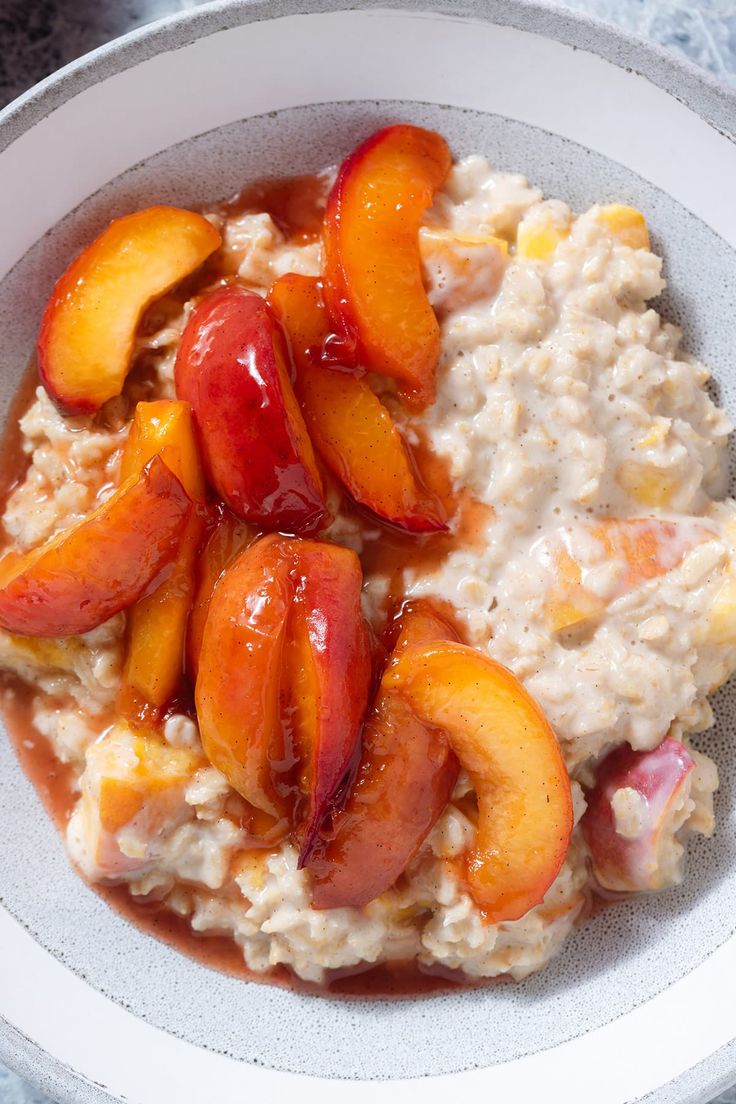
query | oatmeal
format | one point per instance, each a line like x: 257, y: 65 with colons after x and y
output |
x: 600, y: 578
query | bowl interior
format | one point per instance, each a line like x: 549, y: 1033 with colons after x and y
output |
x: 623, y: 956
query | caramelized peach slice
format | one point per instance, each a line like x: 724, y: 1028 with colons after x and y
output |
x: 284, y: 676
x: 88, y: 328
x: 232, y: 366
x: 638, y: 548
x: 406, y: 776
x: 511, y: 754
x: 239, y: 678
x: 100, y: 566
x: 229, y: 536
x: 327, y: 680
x: 350, y: 427
x: 373, y: 276
x: 629, y: 825
x: 157, y: 623
x: 132, y: 782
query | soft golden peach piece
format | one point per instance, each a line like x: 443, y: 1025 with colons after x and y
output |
x: 647, y: 483
x: 406, y: 776
x: 132, y: 781
x: 157, y: 623
x: 228, y: 536
x: 327, y: 676
x: 507, y: 746
x: 351, y: 428
x: 628, y: 825
x: 538, y: 235
x: 373, y: 277
x: 239, y: 677
x: 460, y: 269
x: 100, y: 566
x: 232, y: 366
x: 627, y: 224
x: 642, y: 548
x: 88, y: 329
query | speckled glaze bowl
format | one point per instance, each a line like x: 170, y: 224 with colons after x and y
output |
x: 640, y: 1005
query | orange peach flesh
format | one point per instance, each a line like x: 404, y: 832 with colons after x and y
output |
x: 157, y: 623
x: 644, y: 547
x: 373, y: 275
x: 100, y: 566
x: 511, y: 754
x: 238, y: 685
x: 229, y: 536
x: 87, y: 333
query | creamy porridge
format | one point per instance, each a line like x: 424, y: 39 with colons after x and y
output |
x: 591, y: 553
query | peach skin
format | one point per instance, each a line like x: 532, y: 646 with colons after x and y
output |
x: 327, y: 676
x: 232, y: 366
x: 352, y: 430
x: 87, y: 333
x: 157, y: 623
x: 238, y: 687
x: 373, y: 273
x: 628, y: 823
x: 100, y: 566
x: 406, y: 776
x: 507, y: 746
x: 229, y: 536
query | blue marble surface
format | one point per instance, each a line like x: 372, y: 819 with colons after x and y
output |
x: 39, y: 36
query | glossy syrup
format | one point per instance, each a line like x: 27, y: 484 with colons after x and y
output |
x: 297, y: 206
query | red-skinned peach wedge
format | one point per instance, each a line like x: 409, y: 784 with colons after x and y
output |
x: 238, y: 685
x: 373, y: 273
x: 406, y: 776
x: 628, y: 823
x: 507, y: 746
x: 327, y: 676
x: 105, y: 563
x: 352, y: 430
x: 87, y: 333
x: 232, y: 367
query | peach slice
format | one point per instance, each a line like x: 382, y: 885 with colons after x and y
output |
x: 351, y: 428
x: 132, y: 780
x: 628, y: 825
x: 539, y: 233
x: 88, y: 328
x: 327, y: 666
x: 238, y: 685
x: 627, y: 224
x: 229, y: 536
x: 232, y: 366
x: 641, y: 548
x: 507, y: 746
x: 100, y: 566
x: 406, y: 777
x: 284, y: 676
x: 157, y: 623
x: 373, y: 274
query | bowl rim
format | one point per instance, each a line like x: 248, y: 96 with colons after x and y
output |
x: 710, y: 97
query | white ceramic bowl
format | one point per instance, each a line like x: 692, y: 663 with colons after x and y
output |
x: 640, y: 1004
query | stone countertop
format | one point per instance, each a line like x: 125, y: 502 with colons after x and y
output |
x: 38, y: 37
